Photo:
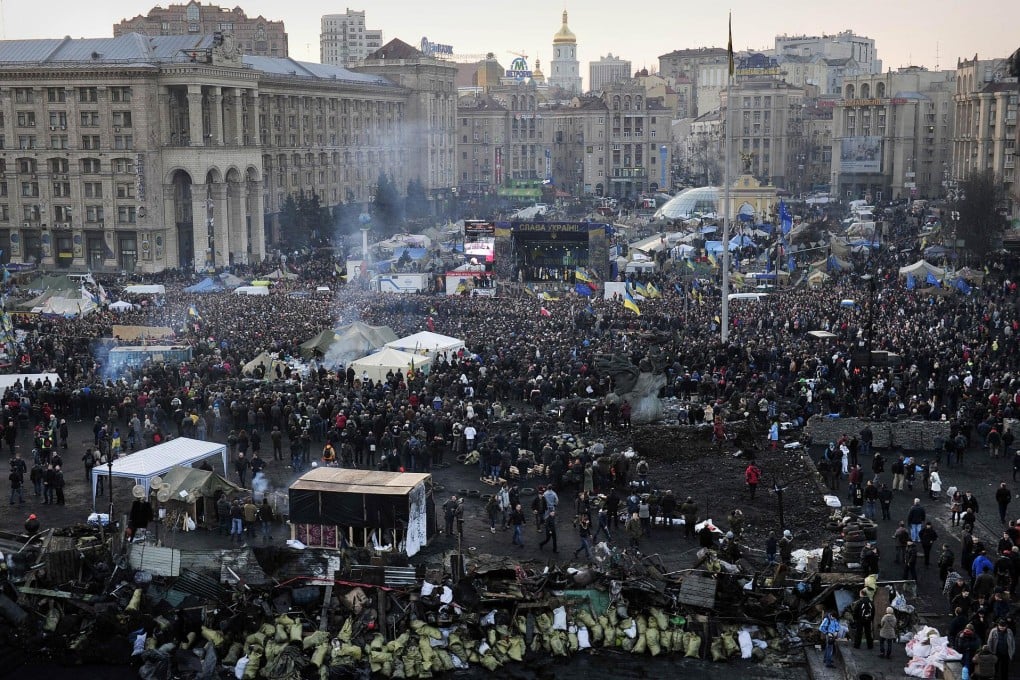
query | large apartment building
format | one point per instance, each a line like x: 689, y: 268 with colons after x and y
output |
x: 254, y: 35
x: 147, y: 153
x: 344, y: 39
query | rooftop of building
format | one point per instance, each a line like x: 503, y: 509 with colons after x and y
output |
x: 696, y: 52
x: 138, y: 50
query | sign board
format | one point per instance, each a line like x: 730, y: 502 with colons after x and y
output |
x: 431, y: 49
x: 860, y: 155
x: 518, y: 69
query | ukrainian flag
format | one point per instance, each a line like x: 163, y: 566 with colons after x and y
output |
x: 581, y: 275
x: 629, y: 303
x: 547, y: 296
x: 711, y: 259
x: 193, y: 312
x: 529, y: 290
x: 690, y: 265
x: 653, y: 292
x: 640, y: 289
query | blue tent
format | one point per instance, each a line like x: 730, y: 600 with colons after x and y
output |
x: 206, y: 285
x: 413, y: 253
x: 716, y: 246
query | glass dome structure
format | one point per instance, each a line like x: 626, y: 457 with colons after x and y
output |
x: 700, y: 200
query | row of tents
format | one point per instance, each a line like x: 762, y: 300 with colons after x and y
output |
x: 227, y: 281
x: 372, y: 351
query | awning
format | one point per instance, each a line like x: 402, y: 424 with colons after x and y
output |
x: 143, y: 465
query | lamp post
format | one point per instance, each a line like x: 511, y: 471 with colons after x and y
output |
x: 109, y: 482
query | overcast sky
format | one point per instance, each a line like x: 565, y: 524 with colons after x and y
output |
x: 919, y: 32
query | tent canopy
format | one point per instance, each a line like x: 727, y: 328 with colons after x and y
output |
x: 921, y: 269
x: 320, y: 343
x: 196, y: 482
x: 206, y: 285
x: 278, y: 274
x: 143, y: 465
x: 377, y: 365
x: 268, y: 361
x: 425, y: 342
x: 121, y: 306
x: 356, y: 340
x: 145, y: 289
x: 251, y: 290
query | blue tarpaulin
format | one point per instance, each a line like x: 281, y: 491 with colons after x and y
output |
x: 206, y: 285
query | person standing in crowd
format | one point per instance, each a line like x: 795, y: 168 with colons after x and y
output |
x: 550, y: 531
x: 17, y: 479
x: 863, y: 612
x: 752, y: 475
x: 915, y: 519
x: 449, y: 513
x: 830, y: 630
x: 236, y: 522
x: 266, y: 519
x: 1002, y: 644
x: 887, y: 633
x: 517, y: 521
x: 885, y: 496
x: 241, y: 468
x: 928, y: 536
x: 689, y: 510
x: 1003, y: 497
x: 584, y: 533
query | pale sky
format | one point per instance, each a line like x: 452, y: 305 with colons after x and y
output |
x: 907, y: 32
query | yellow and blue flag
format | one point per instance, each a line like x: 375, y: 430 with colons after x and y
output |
x: 193, y: 312
x: 581, y: 274
x: 628, y: 302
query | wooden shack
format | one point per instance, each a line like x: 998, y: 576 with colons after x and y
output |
x: 331, y: 507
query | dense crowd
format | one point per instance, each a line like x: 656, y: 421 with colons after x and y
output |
x: 959, y: 357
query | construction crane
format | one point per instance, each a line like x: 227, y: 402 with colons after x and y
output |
x: 522, y: 55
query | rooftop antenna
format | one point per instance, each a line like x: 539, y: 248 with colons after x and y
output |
x: 936, y: 55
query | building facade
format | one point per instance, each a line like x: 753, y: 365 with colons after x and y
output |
x: 607, y: 70
x: 893, y: 134
x: 565, y: 69
x: 617, y: 144
x: 255, y: 35
x: 705, y: 68
x: 345, y: 41
x: 177, y: 151
x: 841, y: 46
x: 985, y: 134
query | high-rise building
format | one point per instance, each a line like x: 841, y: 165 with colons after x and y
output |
x: 607, y: 70
x: 565, y: 70
x: 344, y: 40
x: 893, y: 134
x: 254, y: 35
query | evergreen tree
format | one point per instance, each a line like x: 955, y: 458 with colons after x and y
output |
x: 981, y: 222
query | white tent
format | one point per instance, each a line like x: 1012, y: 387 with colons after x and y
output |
x: 251, y: 290
x: 921, y: 269
x: 278, y: 274
x: 143, y: 289
x: 8, y: 379
x: 377, y: 365
x: 121, y: 306
x: 428, y: 343
x: 143, y: 465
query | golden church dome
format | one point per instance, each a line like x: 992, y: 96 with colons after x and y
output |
x: 564, y: 35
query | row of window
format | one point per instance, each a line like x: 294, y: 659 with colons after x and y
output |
x: 88, y: 142
x: 58, y: 95
x: 94, y: 214
x: 89, y: 166
x: 62, y: 189
x: 57, y: 119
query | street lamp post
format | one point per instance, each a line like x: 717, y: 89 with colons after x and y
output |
x: 109, y: 482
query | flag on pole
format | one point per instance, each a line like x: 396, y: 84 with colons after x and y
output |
x: 712, y: 260
x: 581, y: 274
x: 690, y: 265
x: 962, y: 286
x: 102, y: 294
x: 583, y: 289
x: 193, y: 312
x: 729, y: 45
x: 544, y: 312
x: 653, y: 292
x: 695, y: 284
x: 930, y: 279
x: 86, y: 295
x: 628, y: 302
x: 678, y: 289
x: 529, y: 290
x: 640, y: 289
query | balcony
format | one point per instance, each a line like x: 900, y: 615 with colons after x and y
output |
x: 630, y: 173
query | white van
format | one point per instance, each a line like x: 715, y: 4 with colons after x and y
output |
x: 752, y: 297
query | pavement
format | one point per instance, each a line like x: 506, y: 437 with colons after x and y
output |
x: 980, y: 474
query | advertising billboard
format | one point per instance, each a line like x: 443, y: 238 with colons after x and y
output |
x: 861, y: 155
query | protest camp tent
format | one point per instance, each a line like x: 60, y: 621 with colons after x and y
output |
x: 281, y: 275
x: 142, y: 466
x: 231, y: 281
x: 268, y: 362
x: 206, y: 285
x: 356, y: 340
x: 972, y: 275
x: 145, y: 289
x: 320, y: 343
x: 429, y: 343
x: 376, y: 366
x: 251, y: 290
x: 192, y: 490
x: 921, y: 269
x: 817, y: 278
x: 121, y: 306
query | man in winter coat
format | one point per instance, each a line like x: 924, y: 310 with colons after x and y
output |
x: 863, y: 612
x: 752, y: 475
x: 1002, y: 644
